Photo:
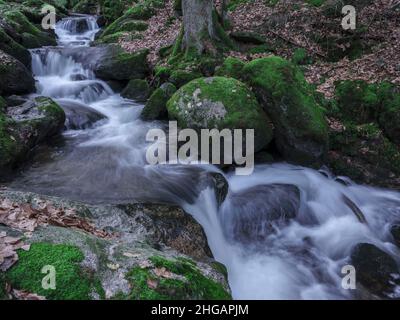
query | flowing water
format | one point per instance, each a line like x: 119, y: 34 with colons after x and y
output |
x: 299, y: 259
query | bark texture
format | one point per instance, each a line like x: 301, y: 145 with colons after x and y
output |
x: 198, y: 24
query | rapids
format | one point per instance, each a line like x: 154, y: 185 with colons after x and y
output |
x: 300, y: 259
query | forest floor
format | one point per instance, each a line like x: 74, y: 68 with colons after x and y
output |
x: 293, y: 24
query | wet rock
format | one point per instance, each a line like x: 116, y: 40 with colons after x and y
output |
x: 395, y: 232
x: 254, y: 213
x: 80, y: 116
x: 111, y: 62
x: 15, y: 78
x: 222, y: 103
x: 172, y: 227
x: 156, y: 106
x: 137, y: 89
x: 24, y: 127
x: 119, y: 267
x: 301, y: 130
x: 375, y: 269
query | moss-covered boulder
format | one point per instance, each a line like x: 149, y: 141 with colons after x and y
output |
x: 114, y: 63
x: 389, y: 117
x: 32, y: 36
x: 363, y: 153
x: 72, y: 281
x: 15, y: 78
x: 137, y: 89
x: 156, y: 106
x: 12, y: 47
x: 24, y: 127
x: 357, y: 101
x: 163, y: 255
x: 180, y: 77
x: 185, y: 282
x: 300, y: 127
x: 126, y: 25
x: 220, y: 103
x: 232, y: 68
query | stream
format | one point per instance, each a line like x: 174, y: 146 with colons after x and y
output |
x: 296, y: 258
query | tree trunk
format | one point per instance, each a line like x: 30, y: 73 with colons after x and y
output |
x: 199, y: 25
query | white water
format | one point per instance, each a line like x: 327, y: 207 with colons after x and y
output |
x: 300, y: 260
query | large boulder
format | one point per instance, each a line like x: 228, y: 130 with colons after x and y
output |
x: 15, y: 78
x: 24, y: 127
x: 10, y: 45
x: 137, y: 89
x: 221, y: 103
x: 253, y: 214
x: 376, y: 270
x: 31, y: 36
x: 135, y: 251
x: 156, y: 106
x: 111, y: 62
x: 79, y: 116
x: 300, y: 128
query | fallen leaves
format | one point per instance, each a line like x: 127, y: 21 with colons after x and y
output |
x: 8, y: 247
x: 25, y: 218
x: 25, y: 295
x: 163, y: 273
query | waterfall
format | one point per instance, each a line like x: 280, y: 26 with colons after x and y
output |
x: 299, y: 255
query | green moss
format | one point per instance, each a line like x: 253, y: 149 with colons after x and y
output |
x: 181, y: 77
x: 285, y: 83
x: 8, y: 144
x: 156, y: 106
x: 137, y: 89
x: 50, y: 107
x: 358, y: 101
x: 191, y: 285
x: 316, y: 3
x: 230, y: 104
x: 72, y: 281
x: 233, y: 4
x: 232, y: 68
x: 300, y: 57
x: 21, y: 23
x: 124, y: 24
x: 3, y: 292
x: 366, y: 142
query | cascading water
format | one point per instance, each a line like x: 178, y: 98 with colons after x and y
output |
x: 298, y: 257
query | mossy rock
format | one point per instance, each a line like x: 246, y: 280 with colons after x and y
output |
x: 31, y: 41
x: 180, y: 77
x: 86, y: 7
x: 15, y: 78
x: 361, y: 102
x: 186, y: 282
x: 220, y: 103
x: 389, y: 118
x: 231, y: 68
x: 124, y: 25
x: 117, y: 64
x: 301, y: 57
x: 71, y: 280
x: 137, y: 89
x: 364, y: 154
x: 26, y: 126
x: 357, y: 101
x: 13, y: 48
x: 156, y: 106
x: 300, y: 127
